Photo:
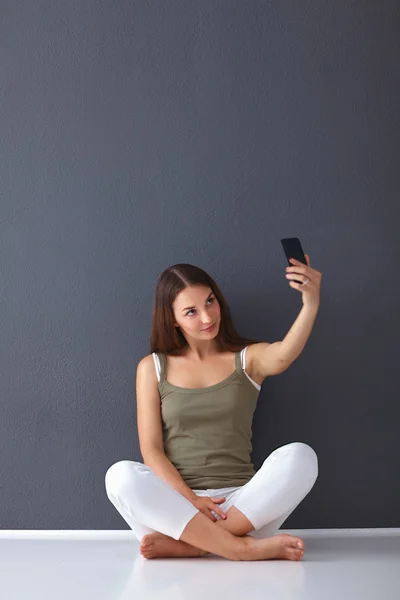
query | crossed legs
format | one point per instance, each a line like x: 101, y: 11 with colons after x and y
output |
x: 260, y: 507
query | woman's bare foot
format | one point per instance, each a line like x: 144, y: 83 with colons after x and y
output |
x: 158, y: 545
x: 282, y: 546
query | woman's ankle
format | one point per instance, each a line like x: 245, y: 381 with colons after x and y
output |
x: 246, y: 548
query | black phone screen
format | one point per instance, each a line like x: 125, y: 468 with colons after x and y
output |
x: 293, y: 249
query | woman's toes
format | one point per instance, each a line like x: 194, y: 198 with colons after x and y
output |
x: 295, y: 541
x: 295, y: 554
x: 297, y: 551
x: 145, y: 541
x: 146, y: 545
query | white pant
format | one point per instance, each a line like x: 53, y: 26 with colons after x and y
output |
x: 148, y: 503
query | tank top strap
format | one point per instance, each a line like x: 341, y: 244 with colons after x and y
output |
x: 163, y: 368
x: 238, y: 362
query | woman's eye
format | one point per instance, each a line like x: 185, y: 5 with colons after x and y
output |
x: 193, y: 308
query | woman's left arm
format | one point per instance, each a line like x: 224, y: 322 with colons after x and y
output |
x: 295, y: 340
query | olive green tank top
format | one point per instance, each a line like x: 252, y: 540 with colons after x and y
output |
x: 207, y: 431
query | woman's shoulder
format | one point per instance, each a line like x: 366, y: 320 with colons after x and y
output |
x: 146, y: 363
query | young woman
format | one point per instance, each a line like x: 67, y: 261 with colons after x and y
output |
x: 197, y: 491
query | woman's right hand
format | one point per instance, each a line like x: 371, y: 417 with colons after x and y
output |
x: 206, y: 504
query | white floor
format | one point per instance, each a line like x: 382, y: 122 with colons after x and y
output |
x: 106, y: 565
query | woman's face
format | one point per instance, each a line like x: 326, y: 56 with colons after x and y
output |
x: 196, y: 308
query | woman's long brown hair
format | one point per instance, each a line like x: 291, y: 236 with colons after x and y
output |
x: 165, y: 336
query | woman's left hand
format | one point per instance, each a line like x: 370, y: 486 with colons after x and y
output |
x: 311, y: 290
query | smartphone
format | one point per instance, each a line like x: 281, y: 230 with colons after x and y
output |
x: 293, y: 249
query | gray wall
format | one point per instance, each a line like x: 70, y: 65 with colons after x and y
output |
x: 139, y: 134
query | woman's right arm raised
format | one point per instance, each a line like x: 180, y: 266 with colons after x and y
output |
x: 150, y: 428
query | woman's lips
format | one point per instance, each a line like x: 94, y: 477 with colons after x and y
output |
x: 210, y: 328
